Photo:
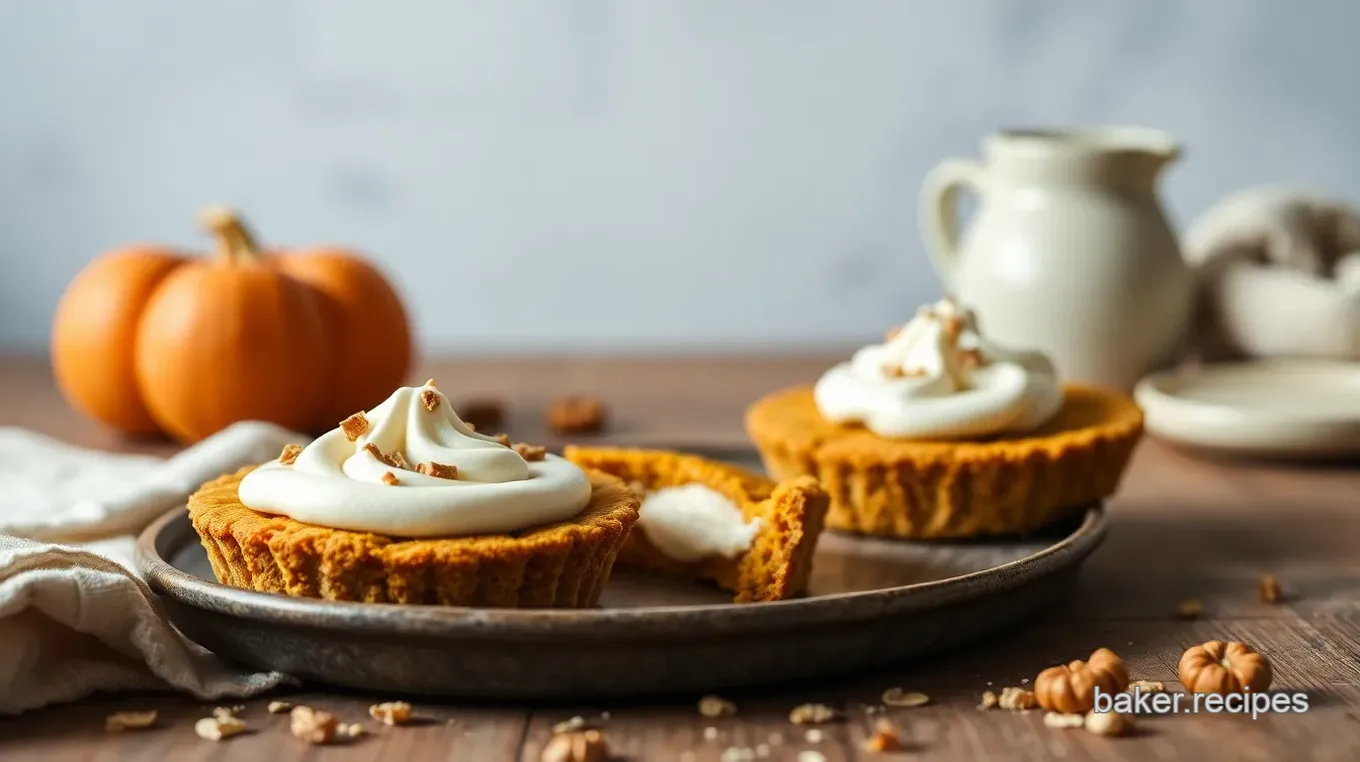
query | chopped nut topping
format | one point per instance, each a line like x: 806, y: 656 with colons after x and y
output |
x: 390, y: 479
x: 1016, y: 699
x: 886, y: 737
x: 989, y: 700
x: 312, y: 725
x: 898, y: 698
x: 429, y: 382
x: 391, y: 712
x: 393, y: 459
x: 354, y: 426
x: 575, y: 723
x: 1270, y: 590
x: 1189, y: 609
x: 484, y: 414
x: 1108, y: 723
x: 430, y: 399
x: 530, y: 452
x: 217, y: 728
x: 716, y: 706
x: 1147, y: 686
x: 121, y: 721
x: 576, y: 415
x: 503, y: 439
x: 352, y: 730
x: 289, y: 454
x: 279, y: 707
x: 813, y: 714
x: 577, y: 746
x: 441, y: 470
x: 224, y: 712
x: 1060, y: 720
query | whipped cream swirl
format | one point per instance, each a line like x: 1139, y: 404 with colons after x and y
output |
x: 939, y: 378
x: 367, y: 479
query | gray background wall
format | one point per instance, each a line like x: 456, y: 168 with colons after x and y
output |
x: 620, y: 173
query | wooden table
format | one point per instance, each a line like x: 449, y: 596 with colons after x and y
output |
x: 1181, y: 528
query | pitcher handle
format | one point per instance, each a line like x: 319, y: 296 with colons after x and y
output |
x: 939, y: 211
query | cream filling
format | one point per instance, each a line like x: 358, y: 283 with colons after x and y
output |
x: 939, y: 378
x: 338, y: 483
x: 693, y: 522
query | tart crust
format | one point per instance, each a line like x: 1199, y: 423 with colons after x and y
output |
x: 792, y: 514
x: 561, y: 565
x: 924, y: 489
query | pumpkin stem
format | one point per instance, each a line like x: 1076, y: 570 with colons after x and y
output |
x: 234, y: 240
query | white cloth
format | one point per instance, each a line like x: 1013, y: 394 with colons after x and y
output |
x: 75, y: 616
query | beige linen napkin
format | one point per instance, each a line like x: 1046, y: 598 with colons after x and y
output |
x: 75, y: 616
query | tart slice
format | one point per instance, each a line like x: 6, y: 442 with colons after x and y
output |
x: 714, y: 522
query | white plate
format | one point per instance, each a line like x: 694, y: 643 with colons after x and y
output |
x: 1277, y: 408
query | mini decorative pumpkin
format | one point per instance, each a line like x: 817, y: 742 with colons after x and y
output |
x: 1218, y: 667
x: 1070, y: 688
x: 147, y: 339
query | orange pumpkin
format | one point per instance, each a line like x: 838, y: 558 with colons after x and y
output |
x: 148, y: 339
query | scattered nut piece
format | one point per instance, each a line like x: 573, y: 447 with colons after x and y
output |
x: 224, y: 712
x: 576, y: 415
x: 1060, y: 720
x: 577, y: 746
x: 530, y: 452
x: 393, y: 459
x: 503, y: 440
x: 989, y: 700
x: 483, y: 414
x: 575, y: 723
x: 1016, y: 699
x: 896, y: 697
x: 813, y: 714
x: 121, y: 721
x: 354, y: 426
x: 352, y: 730
x: 1189, y: 609
x: 1270, y: 590
x: 289, y: 454
x: 391, y: 712
x: 429, y: 382
x: 811, y: 755
x: 390, y: 479
x: 313, y: 725
x: 430, y: 399
x: 1148, y: 686
x: 279, y: 707
x: 1108, y: 723
x: 886, y: 737
x: 217, y: 728
x: 440, y: 470
x: 716, y: 706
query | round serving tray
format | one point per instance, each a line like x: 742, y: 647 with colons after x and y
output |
x: 871, y: 603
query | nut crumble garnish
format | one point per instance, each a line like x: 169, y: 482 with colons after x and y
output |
x: 430, y: 399
x: 896, y: 697
x: 530, y: 452
x: 217, y: 728
x: 429, y: 382
x: 279, y: 707
x: 989, y: 700
x: 1189, y: 609
x: 390, y: 479
x: 289, y: 454
x: 503, y: 440
x: 1108, y: 723
x: 354, y: 426
x: 575, y: 723
x: 1060, y: 720
x: 813, y: 714
x: 577, y: 746
x: 224, y: 712
x: 575, y: 415
x: 716, y: 706
x: 1148, y: 686
x: 814, y: 736
x: 393, y: 459
x: 1016, y: 699
x: 312, y: 725
x: 441, y: 470
x: 886, y: 737
x: 121, y: 721
x: 391, y: 712
x: 1270, y: 590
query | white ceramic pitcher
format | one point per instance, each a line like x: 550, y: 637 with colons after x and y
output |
x: 1069, y: 251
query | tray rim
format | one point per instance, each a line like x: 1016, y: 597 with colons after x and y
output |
x: 173, y: 531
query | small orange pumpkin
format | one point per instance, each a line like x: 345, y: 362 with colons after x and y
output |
x: 1070, y: 688
x: 1218, y: 667
x: 147, y: 339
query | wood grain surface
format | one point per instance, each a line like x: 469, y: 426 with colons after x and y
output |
x: 1183, y: 527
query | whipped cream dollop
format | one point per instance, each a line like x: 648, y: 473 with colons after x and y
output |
x: 411, y: 467
x: 692, y: 522
x: 939, y: 378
